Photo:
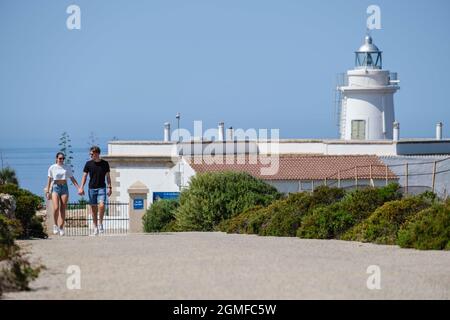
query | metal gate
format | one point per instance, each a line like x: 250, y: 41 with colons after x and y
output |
x: 79, y: 221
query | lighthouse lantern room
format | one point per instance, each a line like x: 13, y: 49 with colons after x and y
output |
x: 367, y: 104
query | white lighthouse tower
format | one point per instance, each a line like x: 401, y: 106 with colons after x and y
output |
x: 367, y: 103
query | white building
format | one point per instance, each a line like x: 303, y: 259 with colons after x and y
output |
x: 370, y: 151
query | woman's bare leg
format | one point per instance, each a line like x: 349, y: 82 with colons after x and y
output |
x: 55, y: 202
x: 62, y: 209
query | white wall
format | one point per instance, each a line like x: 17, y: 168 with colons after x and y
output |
x: 369, y: 97
x: 141, y: 149
x: 354, y: 148
x: 326, y: 147
x: 284, y: 186
x: 285, y: 147
x: 157, y: 179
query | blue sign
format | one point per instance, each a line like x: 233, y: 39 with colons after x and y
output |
x: 138, y: 204
x: 165, y: 195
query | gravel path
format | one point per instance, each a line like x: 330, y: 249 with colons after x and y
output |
x: 221, y: 266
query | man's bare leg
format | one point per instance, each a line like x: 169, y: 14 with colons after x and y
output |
x: 101, y: 209
x: 94, y: 209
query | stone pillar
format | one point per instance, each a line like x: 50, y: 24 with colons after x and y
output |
x: 137, y: 206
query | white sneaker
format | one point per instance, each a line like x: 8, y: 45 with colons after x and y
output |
x: 55, y: 229
x: 61, y: 232
x: 100, y: 228
x: 95, y: 231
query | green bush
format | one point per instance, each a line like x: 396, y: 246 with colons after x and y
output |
x: 282, y: 217
x: 325, y: 223
x: 213, y: 197
x: 383, y: 224
x: 389, y: 192
x: 324, y: 195
x: 333, y: 221
x: 427, y: 230
x: 362, y: 202
x: 160, y: 215
x: 16, y: 271
x: 8, y: 175
x: 246, y: 222
x: 27, y: 204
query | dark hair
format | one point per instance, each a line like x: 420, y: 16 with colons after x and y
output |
x: 95, y: 149
x: 60, y: 154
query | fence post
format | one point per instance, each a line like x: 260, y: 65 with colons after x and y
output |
x: 339, y: 178
x: 356, y: 177
x: 433, y: 179
x: 370, y: 177
x: 406, y: 177
x: 326, y: 184
x: 386, y: 175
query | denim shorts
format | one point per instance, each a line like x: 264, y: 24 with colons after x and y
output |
x: 97, y: 195
x: 60, y: 189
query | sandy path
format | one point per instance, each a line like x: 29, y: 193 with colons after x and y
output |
x: 221, y: 266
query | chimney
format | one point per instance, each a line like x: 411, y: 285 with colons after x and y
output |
x: 230, y: 134
x: 221, y: 132
x: 439, y: 131
x: 166, y: 132
x: 396, y: 131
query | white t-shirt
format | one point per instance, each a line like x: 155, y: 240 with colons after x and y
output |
x: 57, y: 172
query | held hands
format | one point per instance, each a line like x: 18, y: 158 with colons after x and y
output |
x: 80, y: 192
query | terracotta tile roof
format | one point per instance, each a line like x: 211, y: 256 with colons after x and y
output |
x: 296, y: 167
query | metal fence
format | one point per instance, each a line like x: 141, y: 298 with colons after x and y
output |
x: 79, y: 220
x: 415, y: 175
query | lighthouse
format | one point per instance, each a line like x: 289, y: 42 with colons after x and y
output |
x: 367, y: 97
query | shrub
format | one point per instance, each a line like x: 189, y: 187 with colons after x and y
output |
x: 325, y: 223
x: 246, y: 222
x: 324, y: 195
x: 333, y: 221
x: 389, y: 192
x: 8, y: 175
x: 429, y: 196
x: 427, y: 230
x: 27, y: 205
x: 383, y: 224
x: 16, y: 272
x: 362, y: 202
x: 282, y: 217
x: 213, y: 197
x: 160, y: 215
x: 325, y: 213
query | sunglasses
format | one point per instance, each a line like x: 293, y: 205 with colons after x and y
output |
x: 61, y: 158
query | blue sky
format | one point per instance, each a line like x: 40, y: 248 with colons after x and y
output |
x: 251, y: 63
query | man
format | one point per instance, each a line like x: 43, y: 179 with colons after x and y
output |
x: 97, y: 169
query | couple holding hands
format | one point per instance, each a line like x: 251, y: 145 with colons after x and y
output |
x: 58, y: 190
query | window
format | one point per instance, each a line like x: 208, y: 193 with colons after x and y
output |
x: 358, y: 129
x: 368, y: 60
x: 306, y: 185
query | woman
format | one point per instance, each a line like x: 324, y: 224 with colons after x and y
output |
x: 58, y: 191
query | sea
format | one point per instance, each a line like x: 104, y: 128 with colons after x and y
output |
x: 31, y: 166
